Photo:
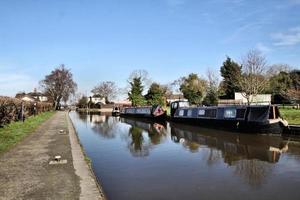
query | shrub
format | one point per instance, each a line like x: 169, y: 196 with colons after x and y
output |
x: 10, y: 109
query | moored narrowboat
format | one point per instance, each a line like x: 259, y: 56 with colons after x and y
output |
x: 152, y: 112
x: 251, y: 119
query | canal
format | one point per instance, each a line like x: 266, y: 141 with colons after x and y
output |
x: 137, y: 159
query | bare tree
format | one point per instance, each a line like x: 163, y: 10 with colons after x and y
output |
x: 175, y: 85
x: 254, y: 172
x: 277, y: 68
x: 143, y: 75
x: 59, y: 85
x: 252, y: 80
x: 140, y: 73
x: 167, y: 88
x: 106, y: 89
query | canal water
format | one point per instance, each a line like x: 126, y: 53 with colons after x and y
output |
x: 138, y: 159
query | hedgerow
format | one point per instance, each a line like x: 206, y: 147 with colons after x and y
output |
x: 11, y: 109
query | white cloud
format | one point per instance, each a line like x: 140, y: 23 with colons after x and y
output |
x: 288, y: 38
x: 11, y: 83
x: 263, y: 48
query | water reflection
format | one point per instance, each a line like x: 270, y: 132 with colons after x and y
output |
x: 135, y: 157
x: 234, y: 147
x: 104, y: 125
x: 144, y: 134
x: 250, y: 158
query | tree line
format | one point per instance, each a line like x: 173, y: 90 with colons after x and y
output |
x: 252, y: 76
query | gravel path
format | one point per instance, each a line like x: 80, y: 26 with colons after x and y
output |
x: 25, y: 172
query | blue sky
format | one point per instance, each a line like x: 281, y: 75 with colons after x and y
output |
x: 108, y: 39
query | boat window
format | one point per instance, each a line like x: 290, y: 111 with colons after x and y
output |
x: 277, y: 112
x: 260, y: 113
x: 183, y: 104
x: 230, y: 113
x: 181, y: 112
x: 274, y: 112
x: 240, y: 113
x: 174, y: 105
x: 130, y: 110
x: 271, y: 113
x: 211, y: 113
x: 189, y: 113
x: 201, y: 112
x: 143, y: 110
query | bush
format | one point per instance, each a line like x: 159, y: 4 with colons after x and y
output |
x: 10, y: 109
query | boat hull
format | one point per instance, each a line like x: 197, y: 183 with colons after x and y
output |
x: 115, y: 113
x: 160, y: 118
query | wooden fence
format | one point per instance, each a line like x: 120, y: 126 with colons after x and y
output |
x: 12, y: 109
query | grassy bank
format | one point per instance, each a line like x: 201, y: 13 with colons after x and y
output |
x: 291, y: 115
x: 16, y: 131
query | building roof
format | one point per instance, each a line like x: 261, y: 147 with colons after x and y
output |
x: 36, y: 94
x: 32, y: 96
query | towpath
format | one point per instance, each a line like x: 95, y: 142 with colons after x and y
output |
x: 25, y: 172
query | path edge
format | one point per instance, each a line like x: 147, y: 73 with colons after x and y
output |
x: 91, y: 179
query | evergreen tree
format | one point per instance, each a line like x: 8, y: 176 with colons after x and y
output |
x: 82, y: 102
x: 230, y: 71
x: 193, y: 88
x: 294, y: 91
x: 279, y: 85
x: 295, y: 77
x: 135, y: 94
x: 212, y: 94
x: 156, y: 95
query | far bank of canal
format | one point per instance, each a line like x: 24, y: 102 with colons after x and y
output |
x: 135, y: 159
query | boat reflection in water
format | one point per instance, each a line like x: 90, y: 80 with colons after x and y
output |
x: 140, y: 145
x: 234, y: 146
x: 251, y: 157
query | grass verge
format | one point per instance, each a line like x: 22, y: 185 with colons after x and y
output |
x: 16, y: 131
x: 291, y: 115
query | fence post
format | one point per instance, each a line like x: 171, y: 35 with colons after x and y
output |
x: 22, y: 111
x: 34, y: 109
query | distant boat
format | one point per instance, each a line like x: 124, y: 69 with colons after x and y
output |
x: 152, y: 112
x: 251, y: 119
x: 115, y: 111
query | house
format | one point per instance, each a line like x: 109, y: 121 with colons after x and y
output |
x: 239, y: 99
x: 97, y: 99
x: 25, y: 97
x: 32, y: 96
x: 175, y: 97
x: 259, y: 99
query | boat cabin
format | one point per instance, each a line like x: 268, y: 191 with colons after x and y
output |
x: 238, y: 112
x: 144, y: 111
